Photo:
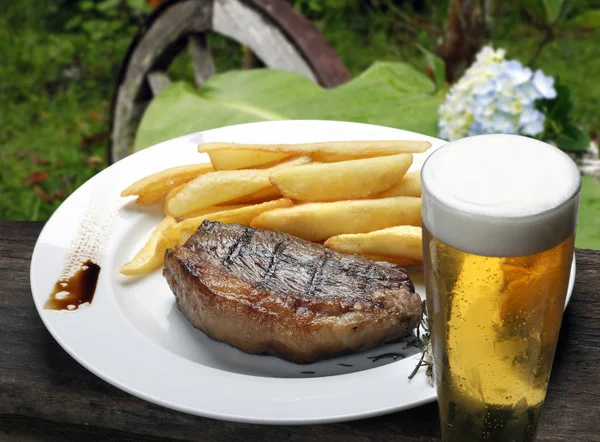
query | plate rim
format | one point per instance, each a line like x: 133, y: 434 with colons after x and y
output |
x: 331, y: 417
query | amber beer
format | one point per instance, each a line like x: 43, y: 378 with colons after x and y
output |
x: 499, y: 216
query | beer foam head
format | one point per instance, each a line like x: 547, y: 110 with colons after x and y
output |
x: 500, y: 195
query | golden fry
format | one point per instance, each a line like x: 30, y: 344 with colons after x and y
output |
x: 400, y: 242
x: 320, y: 221
x: 234, y: 159
x: 399, y: 260
x: 151, y: 256
x: 213, y: 209
x: 149, y: 198
x: 271, y: 192
x: 329, y: 151
x: 409, y: 185
x: 223, y: 187
x: 244, y: 215
x: 216, y: 188
x: 341, y: 181
x: 169, y: 196
x: 260, y: 196
x: 291, y: 162
x: 154, y: 187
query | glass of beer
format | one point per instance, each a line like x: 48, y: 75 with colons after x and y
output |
x: 499, y: 215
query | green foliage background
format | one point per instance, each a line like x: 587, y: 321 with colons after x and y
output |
x: 60, y: 59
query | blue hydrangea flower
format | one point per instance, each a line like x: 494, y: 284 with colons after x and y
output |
x: 495, y: 96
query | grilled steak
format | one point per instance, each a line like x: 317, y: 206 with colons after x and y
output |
x: 271, y: 293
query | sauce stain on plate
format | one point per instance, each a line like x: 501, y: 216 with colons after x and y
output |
x: 70, y: 293
x: 77, y: 282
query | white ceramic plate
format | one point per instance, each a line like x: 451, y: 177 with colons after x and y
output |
x: 133, y: 336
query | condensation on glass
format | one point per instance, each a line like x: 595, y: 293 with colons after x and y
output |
x: 499, y: 215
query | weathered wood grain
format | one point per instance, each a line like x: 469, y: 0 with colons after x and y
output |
x: 202, y: 59
x: 326, y: 65
x: 158, y: 81
x: 23, y: 429
x: 273, y: 30
x: 242, y: 23
x: 46, y: 395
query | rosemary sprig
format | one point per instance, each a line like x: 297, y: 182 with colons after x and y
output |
x: 423, y: 340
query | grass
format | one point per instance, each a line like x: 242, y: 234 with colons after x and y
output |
x: 56, y: 86
x: 56, y: 92
x: 588, y: 228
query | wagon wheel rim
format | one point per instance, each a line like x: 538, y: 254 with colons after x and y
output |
x: 300, y: 48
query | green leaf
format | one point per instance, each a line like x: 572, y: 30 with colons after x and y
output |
x: 588, y: 223
x: 108, y: 5
x: 535, y: 8
x: 437, y: 67
x: 554, y: 9
x: 559, y: 126
x: 587, y: 20
x: 74, y: 22
x: 140, y: 6
x: 559, y: 108
x: 87, y: 5
x: 573, y: 139
x: 388, y: 94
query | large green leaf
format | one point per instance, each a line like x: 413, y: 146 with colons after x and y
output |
x: 388, y: 94
x: 555, y: 9
x: 586, y: 20
x: 436, y: 66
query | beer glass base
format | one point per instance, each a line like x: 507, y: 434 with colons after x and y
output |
x: 491, y: 424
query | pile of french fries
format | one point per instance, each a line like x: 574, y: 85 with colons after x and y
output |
x: 352, y: 196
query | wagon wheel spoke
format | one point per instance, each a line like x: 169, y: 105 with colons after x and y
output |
x: 158, y: 80
x: 272, y: 30
x: 202, y: 60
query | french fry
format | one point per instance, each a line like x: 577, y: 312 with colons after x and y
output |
x: 169, y: 196
x: 409, y: 185
x: 151, y: 256
x: 271, y: 192
x: 149, y: 198
x: 184, y: 229
x: 341, y: 181
x: 331, y: 150
x: 244, y: 215
x: 153, y: 188
x: 291, y: 162
x: 234, y: 159
x: 212, y: 209
x: 320, y: 221
x: 399, y: 260
x: 216, y: 188
x: 259, y: 196
x: 223, y: 187
x: 400, y: 242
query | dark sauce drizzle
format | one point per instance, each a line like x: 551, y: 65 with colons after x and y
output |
x: 386, y: 355
x: 393, y: 356
x: 69, y: 294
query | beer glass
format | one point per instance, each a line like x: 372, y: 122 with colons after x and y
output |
x: 499, y: 215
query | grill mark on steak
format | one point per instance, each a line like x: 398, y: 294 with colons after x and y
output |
x: 271, y: 293
x: 238, y: 246
x: 370, y: 278
x: 275, y: 257
x: 315, y: 280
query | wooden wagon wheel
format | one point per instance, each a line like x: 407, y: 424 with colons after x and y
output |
x: 280, y: 37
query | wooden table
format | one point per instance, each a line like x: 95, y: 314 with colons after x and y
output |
x: 46, y: 395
